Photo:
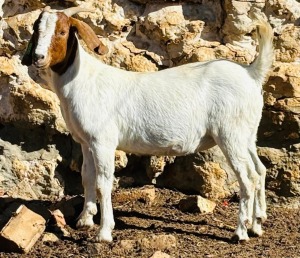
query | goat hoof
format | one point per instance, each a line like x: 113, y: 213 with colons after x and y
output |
x: 256, y: 230
x: 237, y: 240
x: 255, y: 233
x: 104, y: 237
x: 262, y: 218
x: 85, y: 223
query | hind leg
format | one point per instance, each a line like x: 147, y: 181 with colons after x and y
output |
x: 239, y: 158
x: 247, y: 178
x: 260, y: 207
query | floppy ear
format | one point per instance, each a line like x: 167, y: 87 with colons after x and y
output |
x: 27, y: 58
x: 89, y: 36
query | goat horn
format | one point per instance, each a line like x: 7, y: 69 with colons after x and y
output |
x: 47, y: 8
x: 73, y: 10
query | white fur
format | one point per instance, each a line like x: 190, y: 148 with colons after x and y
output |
x: 46, y: 30
x: 176, y: 111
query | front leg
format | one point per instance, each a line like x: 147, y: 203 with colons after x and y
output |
x: 104, y: 162
x: 88, y: 173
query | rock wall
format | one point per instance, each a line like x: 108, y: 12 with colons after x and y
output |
x: 38, y: 159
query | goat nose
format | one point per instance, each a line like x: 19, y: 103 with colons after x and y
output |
x: 37, y: 57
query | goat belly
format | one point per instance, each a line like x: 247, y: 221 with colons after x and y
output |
x: 159, y: 146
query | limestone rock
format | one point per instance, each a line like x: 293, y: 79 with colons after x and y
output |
x: 157, y: 165
x: 21, y: 231
x: 38, y: 157
x: 120, y: 160
x: 284, y: 81
x: 197, y: 204
x: 207, y: 173
x: 166, y: 23
x: 145, y: 195
x: 287, y: 45
x: 24, y: 101
x: 141, y: 64
x: 239, y: 22
x: 283, y: 175
x: 25, y: 175
x: 288, y: 105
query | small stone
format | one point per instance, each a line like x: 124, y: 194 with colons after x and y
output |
x: 128, y: 244
x: 160, y: 254
x: 59, y: 223
x: 197, y: 204
x: 22, y: 230
x: 2, y: 192
x: 59, y: 218
x: 70, y: 208
x: 120, y: 160
x: 50, y: 237
x: 148, y: 195
x: 159, y: 242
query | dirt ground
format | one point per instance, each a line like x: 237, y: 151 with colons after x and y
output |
x: 186, y: 234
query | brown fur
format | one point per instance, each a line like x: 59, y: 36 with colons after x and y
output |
x: 89, y: 36
x: 58, y: 48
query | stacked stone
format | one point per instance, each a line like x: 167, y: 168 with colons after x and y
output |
x: 38, y: 156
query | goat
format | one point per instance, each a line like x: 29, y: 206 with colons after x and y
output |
x: 176, y: 111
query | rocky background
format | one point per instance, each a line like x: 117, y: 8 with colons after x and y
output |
x: 39, y: 159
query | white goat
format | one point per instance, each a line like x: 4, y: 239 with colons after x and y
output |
x: 176, y: 111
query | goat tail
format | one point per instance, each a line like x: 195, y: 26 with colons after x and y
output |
x: 263, y: 62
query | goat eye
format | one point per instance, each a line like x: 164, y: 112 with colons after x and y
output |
x: 62, y: 33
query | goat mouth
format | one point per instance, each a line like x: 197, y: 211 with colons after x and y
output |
x: 41, y: 66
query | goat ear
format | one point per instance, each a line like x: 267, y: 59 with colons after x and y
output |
x: 89, y: 36
x: 27, y: 58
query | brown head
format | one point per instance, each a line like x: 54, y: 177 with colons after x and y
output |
x: 53, y: 43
